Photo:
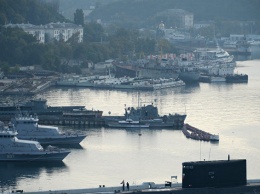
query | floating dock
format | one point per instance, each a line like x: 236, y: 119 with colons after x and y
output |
x: 197, y: 134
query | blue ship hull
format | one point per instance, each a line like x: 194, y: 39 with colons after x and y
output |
x: 33, y: 157
x: 59, y: 140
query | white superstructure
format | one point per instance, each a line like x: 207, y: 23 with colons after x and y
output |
x: 14, y: 149
x: 29, y: 129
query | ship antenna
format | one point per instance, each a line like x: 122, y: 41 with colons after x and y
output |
x: 209, y: 153
x: 200, y: 150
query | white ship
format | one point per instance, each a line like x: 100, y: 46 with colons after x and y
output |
x: 128, y: 123
x: 14, y: 149
x: 217, y: 54
x: 29, y: 129
x: 157, y: 84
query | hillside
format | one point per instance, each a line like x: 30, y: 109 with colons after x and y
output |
x: 142, y: 13
x: 29, y: 11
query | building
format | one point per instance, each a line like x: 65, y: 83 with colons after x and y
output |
x: 202, y: 24
x: 177, y: 18
x: 58, y: 31
x: 63, y: 31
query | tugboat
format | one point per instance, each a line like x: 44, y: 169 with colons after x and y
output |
x: 14, y: 149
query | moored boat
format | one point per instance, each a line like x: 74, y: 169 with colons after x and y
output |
x: 29, y: 129
x: 41, y: 108
x: 149, y: 114
x: 128, y: 123
x: 213, y: 54
x: 14, y: 149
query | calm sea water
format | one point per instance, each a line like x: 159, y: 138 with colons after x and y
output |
x: 107, y: 156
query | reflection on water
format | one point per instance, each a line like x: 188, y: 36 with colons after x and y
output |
x: 106, y: 156
x: 13, y: 172
x: 71, y: 146
x: 255, y: 54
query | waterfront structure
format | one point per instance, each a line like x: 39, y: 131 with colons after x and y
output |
x: 14, y: 149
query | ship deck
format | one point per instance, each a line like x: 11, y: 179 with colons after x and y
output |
x: 176, y: 188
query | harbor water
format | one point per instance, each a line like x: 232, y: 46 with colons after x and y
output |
x: 107, y: 156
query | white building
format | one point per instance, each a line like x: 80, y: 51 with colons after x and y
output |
x: 56, y: 31
x: 178, y: 18
x: 237, y: 37
x: 202, y: 25
x: 63, y: 31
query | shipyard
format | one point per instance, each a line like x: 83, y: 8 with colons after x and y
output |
x: 136, y: 118
x: 49, y: 109
x: 132, y: 96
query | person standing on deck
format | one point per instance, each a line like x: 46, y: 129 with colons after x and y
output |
x: 123, y: 185
x: 127, y: 186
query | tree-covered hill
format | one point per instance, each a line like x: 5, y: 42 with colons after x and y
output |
x: 29, y: 11
x: 141, y: 12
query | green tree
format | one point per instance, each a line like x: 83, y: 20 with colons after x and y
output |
x: 165, y: 46
x: 79, y: 17
x: 93, y: 32
x: 5, y: 67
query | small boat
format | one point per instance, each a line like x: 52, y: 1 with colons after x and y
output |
x: 14, y: 149
x: 128, y: 123
x: 29, y: 129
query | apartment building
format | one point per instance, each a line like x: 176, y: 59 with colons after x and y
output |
x: 52, y: 31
